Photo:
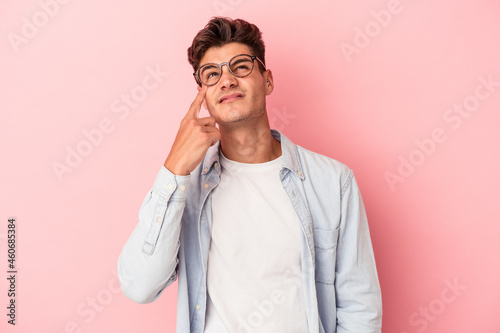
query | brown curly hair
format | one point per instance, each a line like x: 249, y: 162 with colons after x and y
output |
x: 220, y: 31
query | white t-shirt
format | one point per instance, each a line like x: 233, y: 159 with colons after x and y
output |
x: 254, y: 266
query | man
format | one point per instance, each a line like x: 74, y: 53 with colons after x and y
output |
x: 263, y: 235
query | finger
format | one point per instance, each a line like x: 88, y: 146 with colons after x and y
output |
x: 210, y: 129
x: 214, y: 140
x: 194, y: 109
x: 213, y: 132
x: 207, y: 121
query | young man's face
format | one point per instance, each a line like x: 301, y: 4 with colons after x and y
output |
x: 250, y: 101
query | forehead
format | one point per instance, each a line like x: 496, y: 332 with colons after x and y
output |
x: 224, y: 53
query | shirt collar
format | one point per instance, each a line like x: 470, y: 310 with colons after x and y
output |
x: 289, y: 152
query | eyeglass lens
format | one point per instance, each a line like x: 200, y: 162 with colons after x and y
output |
x: 240, y: 66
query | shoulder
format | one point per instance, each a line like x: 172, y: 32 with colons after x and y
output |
x: 308, y: 158
x: 323, y: 163
x: 319, y: 168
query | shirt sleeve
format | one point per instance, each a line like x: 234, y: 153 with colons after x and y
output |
x: 359, y: 300
x: 148, y: 261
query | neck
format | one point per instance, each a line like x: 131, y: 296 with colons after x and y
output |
x: 249, y: 144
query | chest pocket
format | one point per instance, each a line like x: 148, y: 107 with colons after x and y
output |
x: 325, y: 246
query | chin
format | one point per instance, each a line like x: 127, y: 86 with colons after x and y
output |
x: 231, y: 118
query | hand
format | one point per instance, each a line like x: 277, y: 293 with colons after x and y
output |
x: 193, y: 139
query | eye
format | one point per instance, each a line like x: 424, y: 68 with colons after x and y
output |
x: 212, y: 74
x: 209, y: 71
x: 241, y: 67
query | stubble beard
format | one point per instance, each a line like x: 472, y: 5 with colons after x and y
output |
x: 236, y: 115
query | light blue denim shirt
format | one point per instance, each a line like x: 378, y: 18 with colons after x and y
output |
x: 172, y: 238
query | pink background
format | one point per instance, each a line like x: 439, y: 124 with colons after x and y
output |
x: 435, y: 226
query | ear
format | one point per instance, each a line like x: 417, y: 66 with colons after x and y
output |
x: 269, y: 81
x: 204, y: 100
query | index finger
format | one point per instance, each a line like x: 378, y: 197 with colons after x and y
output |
x: 194, y: 109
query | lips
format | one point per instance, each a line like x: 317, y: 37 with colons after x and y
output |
x: 230, y: 98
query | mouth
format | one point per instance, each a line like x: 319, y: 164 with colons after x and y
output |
x: 230, y: 98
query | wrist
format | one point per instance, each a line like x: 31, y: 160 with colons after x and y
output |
x: 176, y: 169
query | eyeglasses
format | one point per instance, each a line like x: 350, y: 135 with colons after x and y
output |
x: 240, y: 65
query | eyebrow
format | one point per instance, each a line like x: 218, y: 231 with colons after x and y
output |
x: 208, y: 66
x: 241, y: 60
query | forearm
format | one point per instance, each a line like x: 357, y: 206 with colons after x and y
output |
x: 147, y: 263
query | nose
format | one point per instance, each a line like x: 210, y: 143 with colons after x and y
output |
x: 227, y: 80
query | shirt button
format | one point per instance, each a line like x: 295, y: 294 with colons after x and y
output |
x: 197, y: 307
x: 182, y: 187
x: 215, y: 164
x: 299, y: 173
x: 205, y: 170
x: 205, y: 186
x: 170, y: 186
x: 158, y: 219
